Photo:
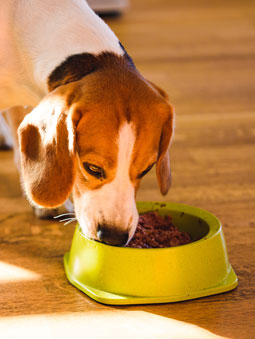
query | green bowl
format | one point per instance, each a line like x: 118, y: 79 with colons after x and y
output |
x: 122, y: 275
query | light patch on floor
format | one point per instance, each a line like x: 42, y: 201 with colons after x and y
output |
x: 12, y: 273
x: 101, y: 324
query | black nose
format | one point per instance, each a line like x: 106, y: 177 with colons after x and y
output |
x: 111, y: 235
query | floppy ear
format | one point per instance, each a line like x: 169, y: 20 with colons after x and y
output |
x: 47, y: 149
x: 163, y: 169
x: 160, y: 90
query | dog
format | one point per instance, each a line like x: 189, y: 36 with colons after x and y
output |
x: 88, y: 122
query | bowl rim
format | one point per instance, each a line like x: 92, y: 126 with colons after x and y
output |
x: 215, y: 226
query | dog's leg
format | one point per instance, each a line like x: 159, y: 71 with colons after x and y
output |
x: 69, y: 205
x: 45, y: 213
x: 49, y: 213
x: 6, y: 141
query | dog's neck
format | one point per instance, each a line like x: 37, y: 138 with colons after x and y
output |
x: 48, y: 35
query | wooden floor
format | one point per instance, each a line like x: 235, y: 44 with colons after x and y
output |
x: 204, y: 56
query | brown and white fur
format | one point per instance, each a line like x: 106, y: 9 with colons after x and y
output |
x: 97, y: 125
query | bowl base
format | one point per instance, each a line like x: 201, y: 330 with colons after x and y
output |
x: 229, y: 283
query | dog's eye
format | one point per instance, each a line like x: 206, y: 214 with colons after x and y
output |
x: 145, y: 171
x: 94, y: 170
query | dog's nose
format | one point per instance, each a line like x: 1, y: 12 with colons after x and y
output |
x: 111, y: 236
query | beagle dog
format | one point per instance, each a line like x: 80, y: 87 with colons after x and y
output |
x: 97, y: 126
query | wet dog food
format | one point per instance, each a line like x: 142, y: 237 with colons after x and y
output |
x: 155, y: 231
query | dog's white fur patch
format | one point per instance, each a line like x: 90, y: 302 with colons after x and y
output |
x: 36, y: 36
x: 114, y: 203
x: 60, y: 29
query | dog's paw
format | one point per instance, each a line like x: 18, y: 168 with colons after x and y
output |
x: 45, y: 213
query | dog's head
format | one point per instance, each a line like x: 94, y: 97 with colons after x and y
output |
x: 97, y: 137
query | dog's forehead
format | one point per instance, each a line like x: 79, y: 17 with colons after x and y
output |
x: 101, y: 123
x: 104, y: 131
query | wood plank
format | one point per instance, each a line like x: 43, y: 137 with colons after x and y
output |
x: 203, y: 55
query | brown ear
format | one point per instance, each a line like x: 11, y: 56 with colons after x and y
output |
x: 160, y: 90
x: 46, y: 138
x: 163, y: 169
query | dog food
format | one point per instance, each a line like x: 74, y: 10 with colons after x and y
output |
x: 154, y: 231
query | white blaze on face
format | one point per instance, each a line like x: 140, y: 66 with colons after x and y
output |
x: 114, y: 203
